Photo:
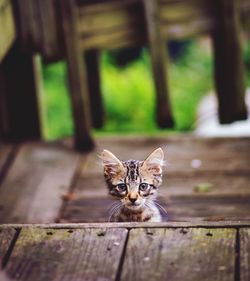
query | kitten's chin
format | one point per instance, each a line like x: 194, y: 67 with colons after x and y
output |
x: 134, y: 207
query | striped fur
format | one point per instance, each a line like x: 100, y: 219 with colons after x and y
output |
x: 134, y: 185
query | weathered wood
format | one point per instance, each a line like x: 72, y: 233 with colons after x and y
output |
x: 77, y: 78
x: 20, y: 117
x: 221, y: 156
x: 94, y: 84
x: 80, y: 254
x: 212, y: 208
x: 6, y: 237
x: 180, y: 254
x: 51, y: 31
x: 203, y: 208
x: 101, y: 17
x: 244, y: 257
x: 157, y: 48
x: 129, y: 225
x: 228, y: 62
x: 5, y: 157
x: 208, y: 185
x: 35, y: 183
x: 7, y: 27
x: 115, y: 39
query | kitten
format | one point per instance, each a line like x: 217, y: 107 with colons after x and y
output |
x: 134, y: 184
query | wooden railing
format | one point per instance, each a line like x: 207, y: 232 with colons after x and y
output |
x: 64, y: 29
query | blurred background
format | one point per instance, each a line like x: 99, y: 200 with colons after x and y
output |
x: 128, y: 90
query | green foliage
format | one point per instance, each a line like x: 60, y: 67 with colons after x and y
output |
x: 57, y: 121
x: 129, y: 94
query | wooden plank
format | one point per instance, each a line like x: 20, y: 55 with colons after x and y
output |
x: 77, y: 78
x: 113, y: 39
x: 80, y: 254
x: 7, y: 27
x: 110, y: 17
x: 6, y: 237
x: 180, y: 254
x: 244, y: 257
x: 157, y: 48
x: 228, y: 62
x: 129, y: 225
x: 208, y: 185
x: 212, y: 208
x: 33, y: 188
x: 217, y: 155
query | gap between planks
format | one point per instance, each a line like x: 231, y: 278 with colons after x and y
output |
x: 130, y: 225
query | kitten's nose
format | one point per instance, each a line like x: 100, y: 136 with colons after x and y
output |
x: 132, y: 200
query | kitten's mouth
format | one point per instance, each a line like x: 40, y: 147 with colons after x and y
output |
x: 134, y: 206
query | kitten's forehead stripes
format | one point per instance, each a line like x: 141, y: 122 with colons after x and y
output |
x: 132, y: 170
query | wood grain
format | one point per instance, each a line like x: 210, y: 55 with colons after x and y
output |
x: 6, y: 236
x: 180, y: 254
x: 244, y: 254
x: 80, y: 254
x: 33, y: 188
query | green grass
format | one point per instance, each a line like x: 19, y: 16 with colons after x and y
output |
x: 129, y: 94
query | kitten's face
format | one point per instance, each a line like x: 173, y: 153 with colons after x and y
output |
x: 133, y: 182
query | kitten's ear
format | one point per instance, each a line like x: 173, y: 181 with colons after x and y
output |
x: 153, y: 164
x: 111, y: 164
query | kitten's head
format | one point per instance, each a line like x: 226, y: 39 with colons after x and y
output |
x: 133, y: 182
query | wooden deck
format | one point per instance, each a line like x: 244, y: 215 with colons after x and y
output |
x: 126, y: 252
x: 206, y: 192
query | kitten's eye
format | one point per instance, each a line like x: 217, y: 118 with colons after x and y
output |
x: 143, y: 186
x: 121, y: 187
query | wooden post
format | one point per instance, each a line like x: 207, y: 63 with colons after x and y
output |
x: 94, y: 82
x: 228, y: 62
x: 158, y: 54
x: 19, y: 108
x: 77, y: 78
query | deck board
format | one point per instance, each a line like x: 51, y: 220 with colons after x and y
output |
x: 245, y: 254
x: 79, y: 254
x: 180, y: 254
x: 33, y: 188
x: 6, y: 237
x: 227, y: 155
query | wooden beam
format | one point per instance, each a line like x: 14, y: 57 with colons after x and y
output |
x: 77, y: 78
x: 91, y: 58
x: 7, y: 27
x: 19, y: 111
x: 158, y: 53
x: 228, y: 62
